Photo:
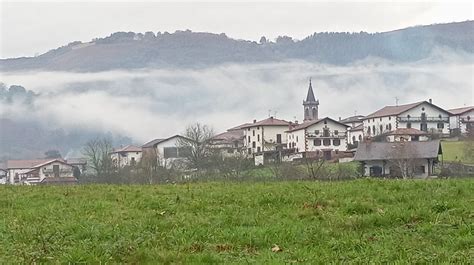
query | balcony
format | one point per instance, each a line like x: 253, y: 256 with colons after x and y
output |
x: 423, y: 119
x: 326, y: 136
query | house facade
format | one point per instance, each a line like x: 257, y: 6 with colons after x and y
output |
x: 129, y: 155
x: 423, y: 115
x: 399, y: 159
x: 355, y: 135
x: 41, y: 171
x: 323, y: 138
x: 265, y: 135
x: 168, y: 151
x: 462, y: 119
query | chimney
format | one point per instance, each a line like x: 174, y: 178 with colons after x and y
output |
x: 271, y: 117
x: 254, y: 121
x: 339, y: 118
x: 430, y: 100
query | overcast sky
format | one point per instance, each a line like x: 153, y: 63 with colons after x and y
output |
x: 30, y: 28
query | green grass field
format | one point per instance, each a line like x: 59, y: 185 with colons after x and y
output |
x: 453, y: 152
x: 361, y: 221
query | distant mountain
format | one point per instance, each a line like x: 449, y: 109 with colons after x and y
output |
x: 128, y: 50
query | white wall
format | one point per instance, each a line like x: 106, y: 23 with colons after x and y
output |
x: 388, y: 123
x: 332, y: 126
x: 358, y: 134
x: 47, y: 170
x: 124, y: 158
x: 297, y: 139
x: 259, y: 134
x: 455, y: 121
x: 431, y: 112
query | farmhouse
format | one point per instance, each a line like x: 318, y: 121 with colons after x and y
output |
x: 398, y: 159
x: 129, y: 155
x: 462, y: 119
x: 422, y: 115
x: 168, y: 151
x: 265, y: 135
x: 41, y: 171
x: 323, y: 138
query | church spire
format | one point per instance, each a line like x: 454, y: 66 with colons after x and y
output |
x: 310, y: 105
x: 310, y: 97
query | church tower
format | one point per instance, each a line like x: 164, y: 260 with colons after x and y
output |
x: 310, y: 105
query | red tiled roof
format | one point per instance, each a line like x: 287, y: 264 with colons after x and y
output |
x: 229, y: 136
x: 393, y: 110
x: 239, y: 127
x: 128, y: 148
x: 459, y: 111
x: 306, y: 124
x: 406, y: 131
x: 11, y: 164
x: 268, y: 122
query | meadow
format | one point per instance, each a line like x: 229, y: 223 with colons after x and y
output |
x: 454, y: 151
x: 267, y: 222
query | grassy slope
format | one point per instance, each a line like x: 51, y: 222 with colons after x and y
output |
x: 453, y: 151
x: 313, y: 222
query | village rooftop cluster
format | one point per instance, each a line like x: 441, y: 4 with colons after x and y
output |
x: 393, y: 133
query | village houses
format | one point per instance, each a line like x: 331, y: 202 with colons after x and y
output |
x: 423, y: 115
x: 129, y: 155
x: 168, y: 151
x: 462, y: 119
x: 40, y: 171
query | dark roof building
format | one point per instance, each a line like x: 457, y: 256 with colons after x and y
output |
x: 392, y: 150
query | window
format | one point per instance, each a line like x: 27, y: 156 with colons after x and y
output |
x: 325, y: 122
x: 440, y: 125
x: 368, y: 130
x: 254, y: 144
x: 408, y: 116
x: 317, y: 142
x: 336, y: 132
x: 258, y: 137
x: 373, y: 120
x: 408, y: 125
x: 306, y: 113
x: 326, y: 132
x: 389, y: 126
x: 439, y: 116
x: 248, y: 129
x: 389, y: 118
x: 423, y: 127
x: 316, y: 132
x: 253, y: 132
x: 249, y: 151
x: 373, y: 129
x: 315, y: 113
x: 170, y: 152
x: 258, y: 149
x: 258, y: 127
x: 380, y: 118
x: 360, y: 138
x: 381, y: 128
x: 336, y: 142
x: 279, y: 138
x: 297, y: 138
x: 423, y: 109
x: 326, y: 142
x: 248, y: 140
x: 353, y: 139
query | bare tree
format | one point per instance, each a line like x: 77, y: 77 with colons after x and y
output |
x: 404, y: 159
x: 196, y: 145
x: 97, y: 152
x: 313, y: 166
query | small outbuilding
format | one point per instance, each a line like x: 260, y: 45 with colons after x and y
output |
x: 399, y: 159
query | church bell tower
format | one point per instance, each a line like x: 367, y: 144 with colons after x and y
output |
x: 310, y: 105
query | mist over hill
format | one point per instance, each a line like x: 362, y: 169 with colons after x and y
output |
x: 137, y: 87
x: 186, y: 49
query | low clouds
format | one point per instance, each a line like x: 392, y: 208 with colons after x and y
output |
x: 153, y: 103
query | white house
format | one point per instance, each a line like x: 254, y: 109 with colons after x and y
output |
x: 319, y: 138
x: 462, y: 119
x: 41, y: 171
x: 129, y: 155
x: 265, y: 135
x: 399, y: 159
x: 421, y: 115
x: 355, y: 135
x: 169, y: 151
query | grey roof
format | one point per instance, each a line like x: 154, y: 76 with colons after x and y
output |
x: 357, y: 118
x: 397, y: 150
x: 310, y: 97
x: 152, y: 143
